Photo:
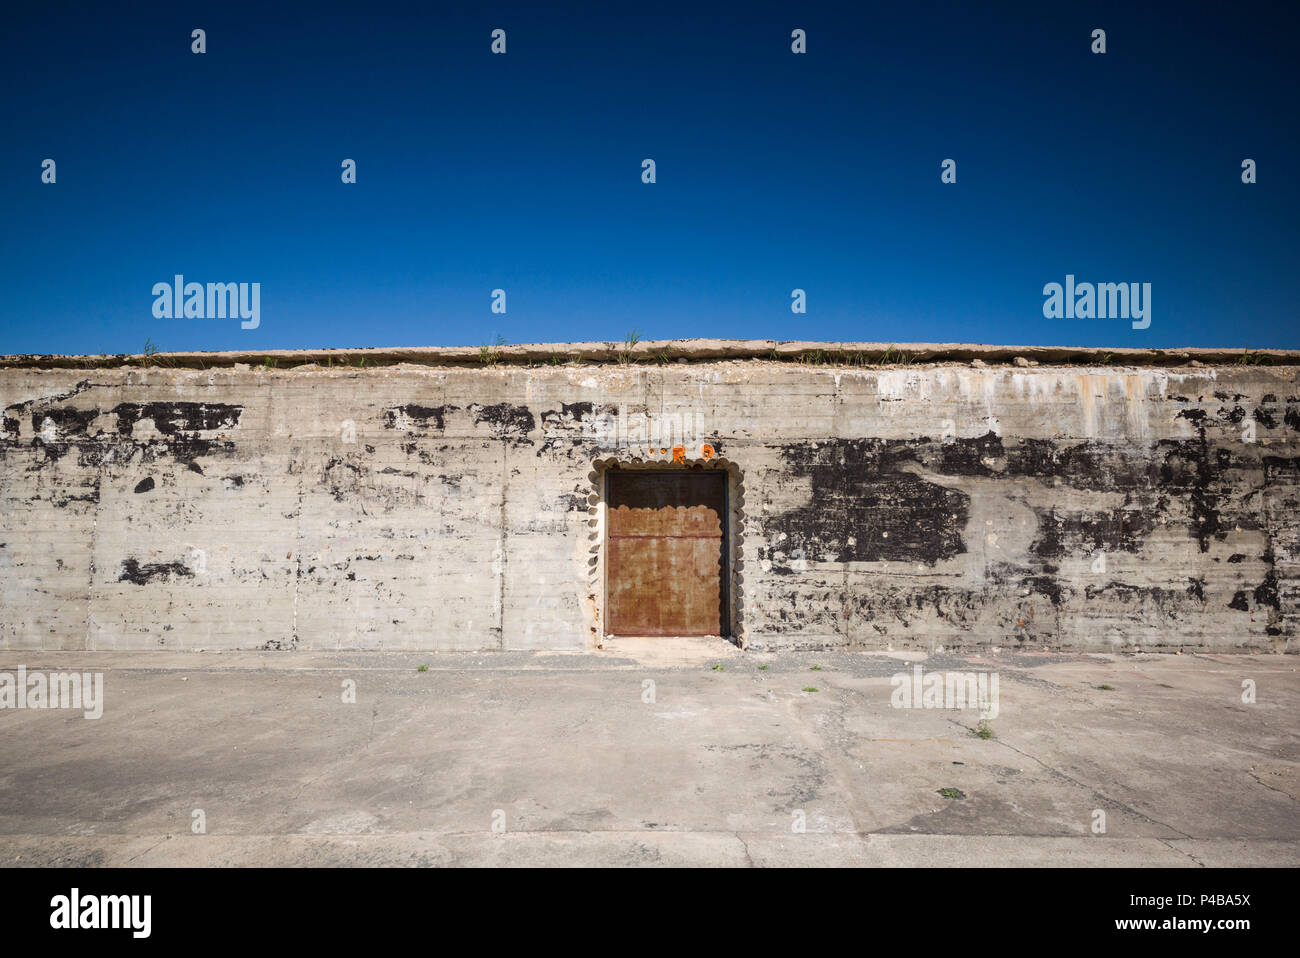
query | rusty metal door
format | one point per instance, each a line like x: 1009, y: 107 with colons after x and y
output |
x: 666, y: 568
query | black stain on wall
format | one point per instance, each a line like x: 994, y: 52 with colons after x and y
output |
x: 68, y: 423
x: 33, y: 406
x: 569, y: 412
x: 134, y: 572
x: 177, y: 418
x: 506, y: 421
x: 144, y: 485
x: 1122, y: 530
x: 980, y: 456
x: 424, y: 417
x: 1047, y: 585
x: 563, y: 428
x: 180, y: 423
x: 1190, y: 467
x: 1089, y: 465
x: 1266, y: 592
x: 1209, y: 489
x: 866, y: 508
x: 337, y: 481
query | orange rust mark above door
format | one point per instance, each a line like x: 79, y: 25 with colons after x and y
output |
x: 666, y: 564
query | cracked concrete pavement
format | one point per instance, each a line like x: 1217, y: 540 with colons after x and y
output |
x: 566, y: 752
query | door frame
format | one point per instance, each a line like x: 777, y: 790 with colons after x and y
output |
x: 597, y: 591
x: 724, y: 574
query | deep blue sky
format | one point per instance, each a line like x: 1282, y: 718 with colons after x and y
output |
x: 523, y: 171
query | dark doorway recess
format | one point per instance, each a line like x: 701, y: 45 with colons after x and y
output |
x: 666, y: 568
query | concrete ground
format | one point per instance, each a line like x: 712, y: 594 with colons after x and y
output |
x: 580, y: 765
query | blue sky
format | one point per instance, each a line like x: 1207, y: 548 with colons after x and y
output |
x: 775, y: 171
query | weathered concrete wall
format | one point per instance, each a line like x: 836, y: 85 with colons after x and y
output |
x: 458, y: 508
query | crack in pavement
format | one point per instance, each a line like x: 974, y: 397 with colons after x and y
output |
x: 1090, y: 789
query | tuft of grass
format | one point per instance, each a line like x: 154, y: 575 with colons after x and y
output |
x: 555, y: 359
x: 952, y: 793
x: 809, y: 688
x: 625, y: 355
x: 845, y: 358
x: 719, y: 667
x: 662, y: 357
x: 763, y: 668
x: 151, y: 357
x: 1106, y: 688
x: 422, y: 668
x: 269, y: 363
x: 984, y: 730
x: 1247, y: 358
x: 894, y: 357
x: 489, y: 354
x: 815, y: 668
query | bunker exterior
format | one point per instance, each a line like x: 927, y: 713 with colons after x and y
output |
x: 440, y: 506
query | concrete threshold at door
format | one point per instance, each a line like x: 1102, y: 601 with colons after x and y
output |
x: 673, y: 649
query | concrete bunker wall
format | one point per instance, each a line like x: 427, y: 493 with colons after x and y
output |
x: 416, y: 507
